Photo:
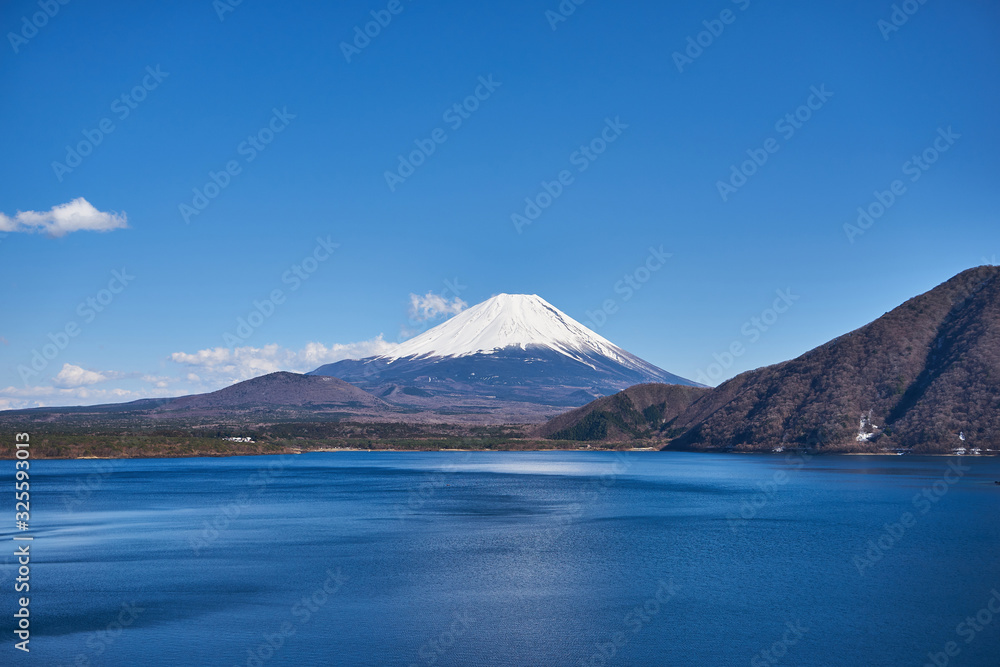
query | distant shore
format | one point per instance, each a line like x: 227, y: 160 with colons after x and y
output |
x: 79, y: 442
x: 398, y: 450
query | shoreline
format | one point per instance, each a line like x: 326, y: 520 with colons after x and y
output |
x: 337, y: 450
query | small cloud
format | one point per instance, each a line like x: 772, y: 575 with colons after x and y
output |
x: 19, y: 398
x: 75, y: 216
x: 431, y: 306
x: 75, y: 385
x: 207, y: 370
x: 73, y: 376
x: 222, y: 365
x: 157, y: 381
x: 210, y: 357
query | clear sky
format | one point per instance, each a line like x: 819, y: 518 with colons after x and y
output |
x: 299, y: 119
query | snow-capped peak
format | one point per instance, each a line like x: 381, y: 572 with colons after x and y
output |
x: 512, y: 320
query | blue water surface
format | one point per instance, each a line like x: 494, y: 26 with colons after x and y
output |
x: 536, y: 558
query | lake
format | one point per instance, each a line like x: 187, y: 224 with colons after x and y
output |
x: 512, y: 558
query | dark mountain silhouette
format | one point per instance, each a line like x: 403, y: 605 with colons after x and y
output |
x: 279, y: 391
x: 924, y: 377
x: 632, y: 413
x: 279, y: 397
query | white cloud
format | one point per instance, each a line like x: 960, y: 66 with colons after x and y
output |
x: 158, y: 381
x: 206, y: 370
x: 209, y: 358
x: 73, y: 376
x: 224, y: 365
x: 432, y: 306
x: 77, y: 215
x: 20, y: 398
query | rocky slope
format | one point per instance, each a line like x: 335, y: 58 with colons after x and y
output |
x: 924, y: 377
x: 635, y: 412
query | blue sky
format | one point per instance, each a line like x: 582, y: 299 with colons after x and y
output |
x: 197, y: 88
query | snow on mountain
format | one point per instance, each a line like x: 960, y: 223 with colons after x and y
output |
x: 511, y: 349
x: 513, y: 321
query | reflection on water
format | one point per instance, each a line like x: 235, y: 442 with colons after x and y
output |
x: 554, y: 558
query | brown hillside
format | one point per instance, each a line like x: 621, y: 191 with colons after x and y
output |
x: 278, y: 390
x: 918, y: 377
x: 634, y: 412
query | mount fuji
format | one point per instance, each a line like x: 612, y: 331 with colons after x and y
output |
x: 510, y: 348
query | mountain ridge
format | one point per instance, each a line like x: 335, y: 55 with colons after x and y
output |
x: 513, y: 321
x: 629, y: 414
x: 511, y: 348
x: 924, y: 377
x: 278, y: 390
